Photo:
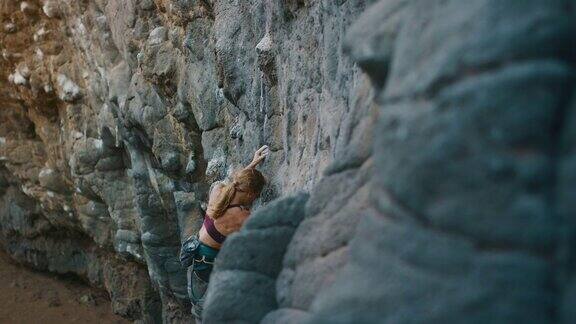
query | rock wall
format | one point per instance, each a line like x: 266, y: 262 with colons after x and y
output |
x: 463, y: 206
x: 118, y: 115
x: 433, y: 139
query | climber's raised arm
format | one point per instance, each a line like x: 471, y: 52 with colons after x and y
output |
x: 259, y: 156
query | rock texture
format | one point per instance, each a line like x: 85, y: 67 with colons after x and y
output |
x: 248, y: 265
x: 433, y: 138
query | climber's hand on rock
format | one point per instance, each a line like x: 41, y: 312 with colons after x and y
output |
x: 259, y: 156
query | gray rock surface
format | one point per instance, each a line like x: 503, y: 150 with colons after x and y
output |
x: 433, y: 140
x: 464, y: 225
x: 246, y: 270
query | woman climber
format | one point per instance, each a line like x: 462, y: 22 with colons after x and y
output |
x: 228, y: 208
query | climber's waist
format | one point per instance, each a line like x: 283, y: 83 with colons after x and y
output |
x: 194, y: 251
x: 206, y: 253
x: 213, y: 231
x: 204, y: 259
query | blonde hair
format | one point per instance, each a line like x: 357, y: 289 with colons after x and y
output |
x: 249, y: 181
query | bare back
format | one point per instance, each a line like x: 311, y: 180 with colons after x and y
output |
x: 231, y: 221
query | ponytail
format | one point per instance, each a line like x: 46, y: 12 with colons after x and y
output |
x: 246, y: 181
x: 223, y: 200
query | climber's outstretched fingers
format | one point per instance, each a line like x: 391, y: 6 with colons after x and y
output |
x: 259, y: 156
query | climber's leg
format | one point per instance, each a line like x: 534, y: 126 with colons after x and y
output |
x: 198, y: 276
x: 204, y: 274
x: 196, y: 290
x: 198, y: 258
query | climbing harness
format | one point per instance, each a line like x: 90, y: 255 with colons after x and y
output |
x: 203, y: 260
x: 188, y: 251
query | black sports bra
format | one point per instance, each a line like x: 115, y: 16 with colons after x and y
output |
x: 211, y: 228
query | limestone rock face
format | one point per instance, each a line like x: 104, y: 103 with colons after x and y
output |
x: 432, y: 140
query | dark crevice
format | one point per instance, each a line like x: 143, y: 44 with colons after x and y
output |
x: 215, y: 126
x: 565, y: 256
x: 435, y: 88
x: 337, y: 167
x: 481, y: 245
